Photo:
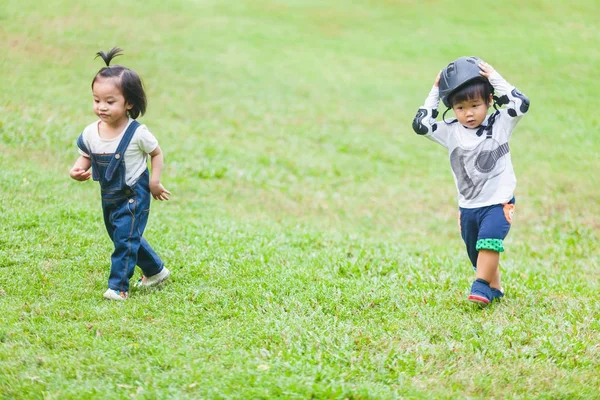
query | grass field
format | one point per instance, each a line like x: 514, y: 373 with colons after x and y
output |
x: 312, y: 235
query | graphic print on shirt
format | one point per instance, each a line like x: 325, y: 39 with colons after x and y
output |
x: 473, y: 168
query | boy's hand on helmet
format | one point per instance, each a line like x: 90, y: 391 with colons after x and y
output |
x: 437, y: 80
x: 486, y: 69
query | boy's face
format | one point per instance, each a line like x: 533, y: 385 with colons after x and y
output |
x: 471, y: 113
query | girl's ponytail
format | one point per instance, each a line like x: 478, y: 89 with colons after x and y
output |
x: 107, y: 57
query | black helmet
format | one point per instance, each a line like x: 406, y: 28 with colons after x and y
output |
x: 458, y: 73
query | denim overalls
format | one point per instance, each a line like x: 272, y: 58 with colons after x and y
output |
x: 126, y: 211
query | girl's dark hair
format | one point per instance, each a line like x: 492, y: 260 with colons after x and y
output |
x: 472, y: 91
x: 129, y: 80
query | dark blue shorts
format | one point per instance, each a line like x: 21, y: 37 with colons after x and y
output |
x: 485, y: 228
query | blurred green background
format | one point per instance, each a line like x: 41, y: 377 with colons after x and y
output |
x: 312, y: 234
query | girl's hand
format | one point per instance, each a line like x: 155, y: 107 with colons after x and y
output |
x: 437, y: 79
x: 158, y: 191
x: 486, y: 69
x: 80, y: 174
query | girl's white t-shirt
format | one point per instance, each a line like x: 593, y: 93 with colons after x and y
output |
x: 136, y: 155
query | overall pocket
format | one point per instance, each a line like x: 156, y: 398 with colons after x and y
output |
x: 113, y: 189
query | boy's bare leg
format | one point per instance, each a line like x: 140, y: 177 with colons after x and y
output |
x: 495, y: 283
x: 487, y: 267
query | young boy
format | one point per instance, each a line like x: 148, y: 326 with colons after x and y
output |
x: 480, y: 159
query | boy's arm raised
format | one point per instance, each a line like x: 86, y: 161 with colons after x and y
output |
x: 425, y: 122
x: 517, y: 104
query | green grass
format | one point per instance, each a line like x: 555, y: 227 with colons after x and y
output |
x: 312, y: 235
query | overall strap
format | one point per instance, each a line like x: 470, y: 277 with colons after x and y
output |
x: 118, y: 156
x: 82, y: 145
x: 84, y: 148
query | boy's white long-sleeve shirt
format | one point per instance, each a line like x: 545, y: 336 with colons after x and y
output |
x: 481, y: 164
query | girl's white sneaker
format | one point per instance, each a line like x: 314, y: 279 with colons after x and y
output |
x: 115, y: 295
x: 154, y: 280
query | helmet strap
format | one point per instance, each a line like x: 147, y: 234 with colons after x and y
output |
x: 444, y: 117
x: 488, y: 127
x: 500, y: 101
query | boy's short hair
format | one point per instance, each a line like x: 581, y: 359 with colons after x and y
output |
x: 471, y: 91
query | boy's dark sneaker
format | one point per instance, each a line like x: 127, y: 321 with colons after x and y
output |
x: 481, y: 293
x: 497, y: 294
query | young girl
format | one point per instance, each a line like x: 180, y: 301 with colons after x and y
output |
x: 480, y: 159
x: 116, y: 148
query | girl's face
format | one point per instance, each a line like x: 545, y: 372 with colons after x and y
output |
x: 471, y: 113
x: 109, y: 103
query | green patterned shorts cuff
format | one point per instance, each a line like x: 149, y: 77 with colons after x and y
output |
x: 490, y: 244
